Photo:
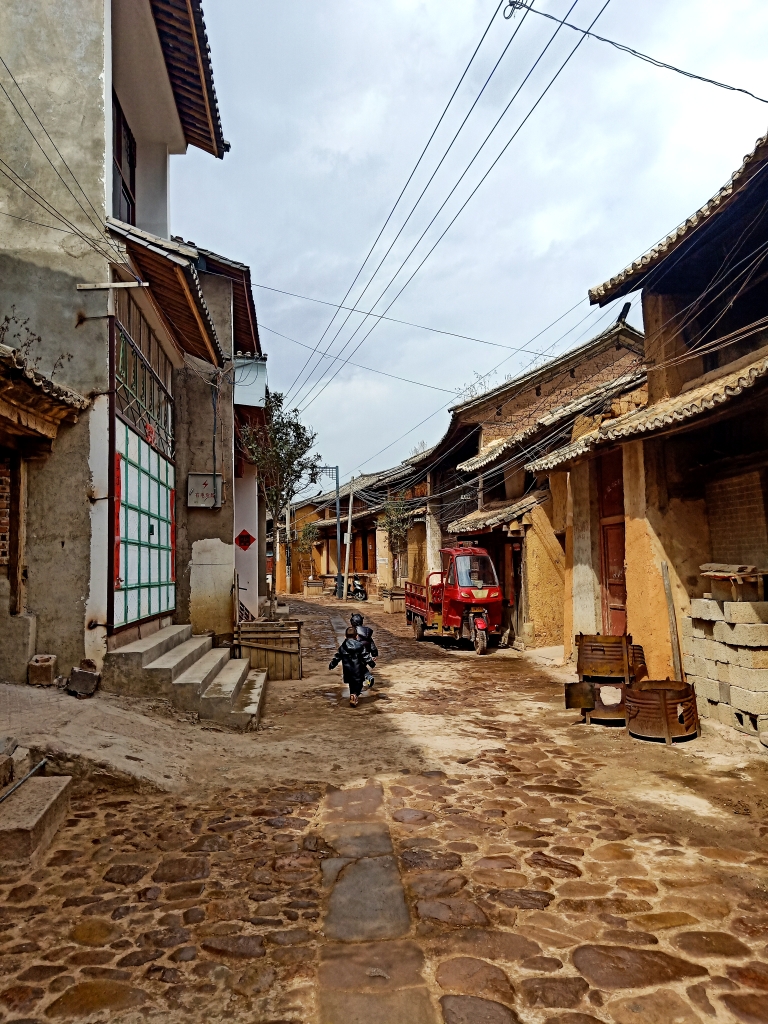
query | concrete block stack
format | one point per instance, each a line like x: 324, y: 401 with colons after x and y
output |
x: 725, y: 657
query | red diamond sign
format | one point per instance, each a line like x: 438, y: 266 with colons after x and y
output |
x: 244, y: 540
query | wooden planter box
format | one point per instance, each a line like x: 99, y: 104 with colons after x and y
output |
x: 274, y: 646
x: 313, y: 588
x: 393, y: 598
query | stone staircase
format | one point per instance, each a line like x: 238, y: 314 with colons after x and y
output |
x: 190, y: 672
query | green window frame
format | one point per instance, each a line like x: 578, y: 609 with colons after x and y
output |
x: 145, y: 540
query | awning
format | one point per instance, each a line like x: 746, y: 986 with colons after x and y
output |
x: 498, y: 514
x: 698, y: 398
x: 170, y: 268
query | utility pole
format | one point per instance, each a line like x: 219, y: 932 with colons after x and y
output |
x: 288, y: 548
x: 332, y: 471
x: 349, y: 540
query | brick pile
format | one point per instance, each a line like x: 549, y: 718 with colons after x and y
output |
x: 725, y: 656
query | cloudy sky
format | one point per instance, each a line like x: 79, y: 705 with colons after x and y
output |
x: 328, y: 106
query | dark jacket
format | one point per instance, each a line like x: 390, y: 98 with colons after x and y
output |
x: 365, y: 636
x: 354, y: 658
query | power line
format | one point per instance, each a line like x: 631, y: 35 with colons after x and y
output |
x: 393, y: 376
x: 468, y: 199
x: 445, y: 201
x: 51, y: 227
x: 407, y: 183
x: 520, y: 5
x: 421, y: 327
x: 432, y: 178
x: 97, y: 223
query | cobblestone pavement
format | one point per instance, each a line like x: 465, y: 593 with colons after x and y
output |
x: 511, y: 866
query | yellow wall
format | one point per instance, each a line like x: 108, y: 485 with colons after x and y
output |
x: 657, y: 531
x: 544, y: 581
x: 417, y: 553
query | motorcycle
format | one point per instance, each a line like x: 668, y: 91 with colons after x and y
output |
x: 356, y: 590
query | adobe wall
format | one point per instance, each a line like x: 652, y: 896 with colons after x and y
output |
x: 659, y: 529
x: 59, y: 62
x: 544, y: 585
x: 585, y: 551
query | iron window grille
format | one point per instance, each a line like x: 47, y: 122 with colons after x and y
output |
x: 144, y: 553
x: 143, y: 377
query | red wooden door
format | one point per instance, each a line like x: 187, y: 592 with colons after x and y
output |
x: 612, y: 572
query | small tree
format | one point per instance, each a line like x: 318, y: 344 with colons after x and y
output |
x: 281, y: 451
x: 396, y: 521
x: 310, y: 533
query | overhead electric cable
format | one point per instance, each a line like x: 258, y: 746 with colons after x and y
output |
x: 464, y: 204
x: 393, y: 376
x: 432, y: 178
x: 421, y: 327
x: 407, y: 183
x: 520, y: 5
x: 95, y: 223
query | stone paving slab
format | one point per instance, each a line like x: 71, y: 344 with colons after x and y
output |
x: 363, y: 804
x: 367, y: 902
x: 364, y: 839
x: 411, y: 1006
x: 371, y: 966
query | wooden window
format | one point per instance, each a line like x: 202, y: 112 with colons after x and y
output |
x: 124, y: 166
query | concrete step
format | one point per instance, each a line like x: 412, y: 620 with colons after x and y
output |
x: 30, y: 817
x: 162, y: 673
x: 246, y: 710
x: 216, y: 703
x: 123, y: 668
x: 190, y: 685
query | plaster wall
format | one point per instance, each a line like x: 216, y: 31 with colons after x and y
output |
x: 664, y: 340
x: 205, y: 571
x: 417, y: 553
x: 568, y: 633
x: 434, y: 539
x: 587, y: 616
x: 383, y: 559
x: 152, y: 196
x: 514, y: 483
x: 246, y: 518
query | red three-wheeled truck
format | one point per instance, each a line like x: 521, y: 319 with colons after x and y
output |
x: 463, y: 601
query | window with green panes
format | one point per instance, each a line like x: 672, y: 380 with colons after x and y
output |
x: 144, y: 538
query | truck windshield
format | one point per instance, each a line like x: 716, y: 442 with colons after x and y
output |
x: 476, y: 571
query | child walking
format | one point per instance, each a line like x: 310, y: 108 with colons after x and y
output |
x: 354, y: 661
x: 365, y: 636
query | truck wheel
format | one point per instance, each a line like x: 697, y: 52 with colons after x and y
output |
x: 418, y: 628
x: 481, y: 641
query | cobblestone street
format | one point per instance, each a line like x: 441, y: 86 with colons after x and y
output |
x: 458, y: 849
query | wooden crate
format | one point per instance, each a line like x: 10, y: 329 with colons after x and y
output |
x: 274, y: 646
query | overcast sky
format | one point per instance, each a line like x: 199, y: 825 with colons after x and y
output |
x: 328, y: 106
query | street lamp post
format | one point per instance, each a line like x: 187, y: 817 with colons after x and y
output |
x: 333, y: 471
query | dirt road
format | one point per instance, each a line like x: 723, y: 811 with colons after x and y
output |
x: 457, y: 850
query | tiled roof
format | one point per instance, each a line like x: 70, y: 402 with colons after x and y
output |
x: 697, y: 400
x: 500, y: 445
x: 170, y: 267
x: 184, y: 41
x: 619, y: 331
x: 14, y: 364
x: 483, y: 518
x: 753, y: 162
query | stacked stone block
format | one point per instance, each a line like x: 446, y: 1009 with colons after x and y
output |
x: 725, y: 657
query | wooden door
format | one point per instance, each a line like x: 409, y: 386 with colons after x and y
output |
x: 612, y: 545
x: 614, y: 583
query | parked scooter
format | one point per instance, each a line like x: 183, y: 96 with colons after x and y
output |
x: 356, y: 590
